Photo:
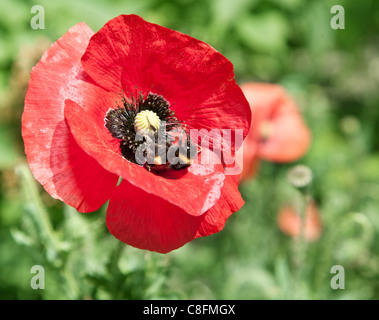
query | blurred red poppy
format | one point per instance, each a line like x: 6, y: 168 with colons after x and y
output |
x: 290, y: 223
x: 278, y: 132
x: 78, y: 140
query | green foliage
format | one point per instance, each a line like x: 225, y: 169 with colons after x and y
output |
x: 333, y: 75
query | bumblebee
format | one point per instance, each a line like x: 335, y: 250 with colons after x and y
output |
x: 185, y: 154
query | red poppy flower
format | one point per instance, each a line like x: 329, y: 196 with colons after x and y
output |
x: 278, y: 132
x: 290, y: 223
x: 80, y: 119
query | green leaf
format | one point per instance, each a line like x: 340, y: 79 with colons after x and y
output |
x: 21, y: 237
x: 265, y: 32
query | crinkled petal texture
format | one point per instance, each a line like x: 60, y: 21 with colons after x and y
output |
x: 195, y: 189
x: 158, y: 212
x: 161, y: 226
x: 129, y: 53
x: 76, y: 159
x: 57, y: 162
x: 278, y: 132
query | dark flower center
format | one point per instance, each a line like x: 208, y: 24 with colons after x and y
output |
x: 147, y: 121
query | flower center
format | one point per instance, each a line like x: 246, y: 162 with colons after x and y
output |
x: 146, y: 122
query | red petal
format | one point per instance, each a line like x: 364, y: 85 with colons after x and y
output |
x: 289, y: 138
x: 290, y: 222
x: 195, y: 189
x: 247, y: 157
x: 57, y: 162
x: 131, y: 54
x: 250, y: 162
x: 147, y: 222
x: 229, y: 202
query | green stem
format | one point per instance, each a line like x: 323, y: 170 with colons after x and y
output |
x: 41, y: 217
x: 72, y: 287
x: 300, y: 245
x: 114, y: 269
x: 48, y: 236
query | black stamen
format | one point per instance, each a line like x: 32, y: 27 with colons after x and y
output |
x: 120, y: 123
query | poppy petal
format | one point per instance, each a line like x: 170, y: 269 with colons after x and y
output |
x: 247, y: 158
x: 290, y: 222
x: 195, y: 189
x: 131, y: 54
x: 288, y: 137
x: 229, y: 202
x: 57, y: 162
x: 148, y: 222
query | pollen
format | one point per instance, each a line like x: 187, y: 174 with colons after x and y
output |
x: 149, y: 116
x: 146, y: 122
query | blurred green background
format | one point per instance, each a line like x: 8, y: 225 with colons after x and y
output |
x: 334, y: 77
